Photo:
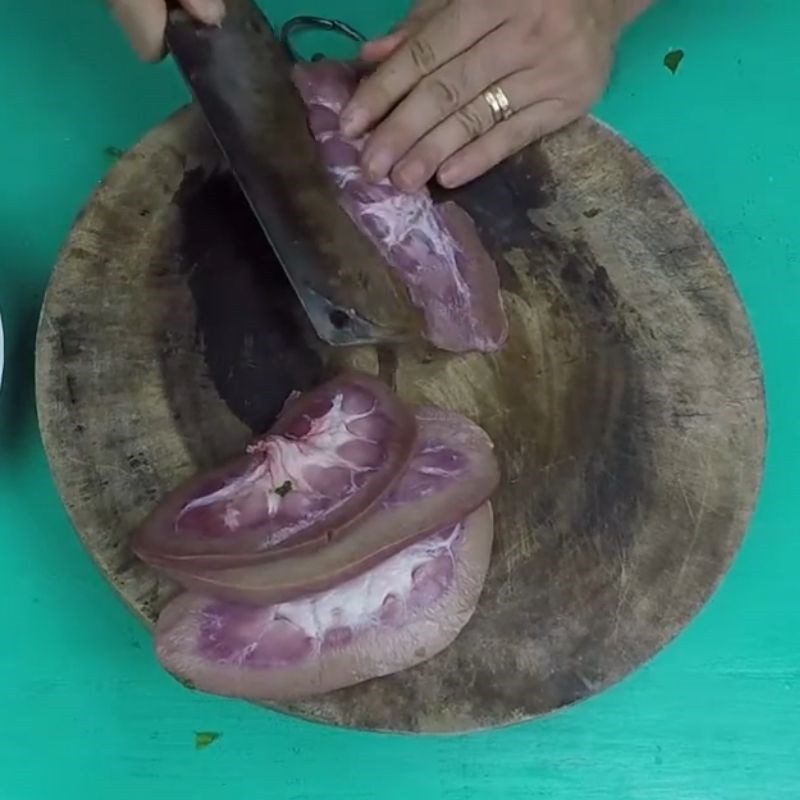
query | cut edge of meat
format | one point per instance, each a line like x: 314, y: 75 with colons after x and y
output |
x: 377, y: 652
x: 389, y: 527
x: 157, y: 542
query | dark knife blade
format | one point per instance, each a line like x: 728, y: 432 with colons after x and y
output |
x: 240, y: 77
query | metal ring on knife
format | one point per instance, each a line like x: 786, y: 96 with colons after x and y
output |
x: 296, y: 24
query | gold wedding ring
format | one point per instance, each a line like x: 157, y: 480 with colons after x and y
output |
x: 498, y: 103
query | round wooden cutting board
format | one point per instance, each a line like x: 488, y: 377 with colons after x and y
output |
x: 627, y: 408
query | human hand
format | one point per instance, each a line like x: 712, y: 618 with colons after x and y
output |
x: 540, y: 63
x: 144, y: 21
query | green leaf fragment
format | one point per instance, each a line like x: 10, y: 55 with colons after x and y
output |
x: 672, y: 60
x: 284, y: 489
x: 203, y: 739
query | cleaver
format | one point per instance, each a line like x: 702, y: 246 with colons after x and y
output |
x: 240, y: 77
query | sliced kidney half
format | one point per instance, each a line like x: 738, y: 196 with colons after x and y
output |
x: 453, y: 471
x: 394, y: 616
x: 333, y: 453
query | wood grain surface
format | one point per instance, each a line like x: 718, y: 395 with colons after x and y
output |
x: 627, y: 408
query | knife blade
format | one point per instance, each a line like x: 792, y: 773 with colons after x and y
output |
x: 240, y: 76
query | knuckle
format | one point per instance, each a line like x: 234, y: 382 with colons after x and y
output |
x: 422, y: 55
x: 445, y: 93
x: 530, y: 34
x: 471, y: 122
x: 530, y: 27
x: 562, y: 21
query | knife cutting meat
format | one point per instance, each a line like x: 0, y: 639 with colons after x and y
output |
x: 240, y: 76
x: 241, y: 79
x: 367, y: 261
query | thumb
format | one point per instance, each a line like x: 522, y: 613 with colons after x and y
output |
x: 144, y: 21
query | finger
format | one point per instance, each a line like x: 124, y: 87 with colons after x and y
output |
x: 143, y: 22
x: 462, y: 127
x: 437, y: 97
x: 444, y: 36
x: 380, y: 49
x: 211, y: 12
x: 502, y: 141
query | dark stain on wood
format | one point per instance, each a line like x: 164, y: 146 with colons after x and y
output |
x: 255, y: 341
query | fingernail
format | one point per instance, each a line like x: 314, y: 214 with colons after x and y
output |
x: 377, y: 164
x: 410, y: 177
x: 353, y: 121
x: 210, y: 11
x: 450, y: 175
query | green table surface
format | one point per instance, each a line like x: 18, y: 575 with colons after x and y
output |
x: 85, y: 710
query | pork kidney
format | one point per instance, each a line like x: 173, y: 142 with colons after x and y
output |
x: 333, y: 453
x: 453, y: 471
x: 435, y: 249
x: 397, y: 615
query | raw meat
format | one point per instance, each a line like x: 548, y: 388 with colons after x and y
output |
x: 393, y: 617
x: 435, y: 249
x: 331, y: 456
x: 452, y: 472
